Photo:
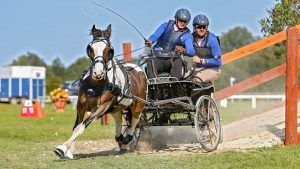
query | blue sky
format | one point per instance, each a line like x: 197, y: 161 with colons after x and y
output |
x: 59, y: 28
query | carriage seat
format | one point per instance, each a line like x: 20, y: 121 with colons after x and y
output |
x: 163, y: 74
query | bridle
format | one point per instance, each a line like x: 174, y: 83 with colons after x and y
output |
x: 99, y: 59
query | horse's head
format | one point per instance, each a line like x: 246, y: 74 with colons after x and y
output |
x: 100, y: 52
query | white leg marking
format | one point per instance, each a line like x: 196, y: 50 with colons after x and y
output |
x: 77, y: 132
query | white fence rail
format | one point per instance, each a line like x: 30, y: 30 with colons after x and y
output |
x: 253, y: 98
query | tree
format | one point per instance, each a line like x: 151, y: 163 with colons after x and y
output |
x: 29, y: 59
x: 75, y: 70
x: 247, y: 67
x: 58, y: 68
x: 284, y: 14
x: 55, y: 75
x: 235, y: 38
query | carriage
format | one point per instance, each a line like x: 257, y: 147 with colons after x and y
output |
x: 173, y: 102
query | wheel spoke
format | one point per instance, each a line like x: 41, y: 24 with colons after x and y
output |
x: 208, y: 110
x: 214, y: 133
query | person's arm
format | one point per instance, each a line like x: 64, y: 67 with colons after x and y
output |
x: 188, y: 43
x: 158, y: 32
x: 215, y: 51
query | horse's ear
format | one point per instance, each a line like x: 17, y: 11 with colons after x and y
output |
x: 93, y: 29
x: 108, y: 31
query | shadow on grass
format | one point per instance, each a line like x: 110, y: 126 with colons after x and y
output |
x: 91, y: 155
x: 99, y: 154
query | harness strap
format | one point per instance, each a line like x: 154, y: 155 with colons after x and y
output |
x: 125, y: 73
x: 98, y: 59
x: 94, y: 91
x: 115, y: 89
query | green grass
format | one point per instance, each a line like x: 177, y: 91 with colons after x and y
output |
x: 28, y: 143
x: 54, y: 127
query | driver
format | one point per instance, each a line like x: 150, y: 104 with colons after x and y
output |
x: 208, y: 54
x: 172, y: 39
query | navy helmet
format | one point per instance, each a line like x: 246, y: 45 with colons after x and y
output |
x: 183, y: 14
x: 200, y: 20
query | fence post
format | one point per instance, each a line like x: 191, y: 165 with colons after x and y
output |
x: 291, y: 87
x: 127, y: 51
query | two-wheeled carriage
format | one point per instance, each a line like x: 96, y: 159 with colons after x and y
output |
x: 171, y: 102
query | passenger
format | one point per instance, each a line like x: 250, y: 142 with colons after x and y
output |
x: 172, y: 39
x: 208, y: 54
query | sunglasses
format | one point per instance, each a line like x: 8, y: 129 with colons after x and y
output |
x: 183, y: 21
x: 200, y: 27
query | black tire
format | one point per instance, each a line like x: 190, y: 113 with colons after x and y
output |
x: 207, y: 123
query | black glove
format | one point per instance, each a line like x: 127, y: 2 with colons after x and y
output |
x: 148, y: 43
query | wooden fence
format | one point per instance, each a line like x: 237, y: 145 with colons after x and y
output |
x: 290, y: 68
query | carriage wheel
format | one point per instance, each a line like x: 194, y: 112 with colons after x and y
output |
x: 207, y: 123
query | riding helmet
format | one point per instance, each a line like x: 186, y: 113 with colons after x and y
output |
x: 200, y: 20
x: 183, y: 14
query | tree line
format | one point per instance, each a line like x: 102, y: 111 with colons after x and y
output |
x: 56, y: 72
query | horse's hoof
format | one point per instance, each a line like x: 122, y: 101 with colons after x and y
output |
x: 127, y: 139
x: 60, y: 150
x: 69, y: 155
x: 119, y: 138
x: 123, y: 151
x: 120, y: 144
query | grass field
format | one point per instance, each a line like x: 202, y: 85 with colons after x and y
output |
x: 28, y: 143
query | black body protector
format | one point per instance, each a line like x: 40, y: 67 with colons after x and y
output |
x: 204, y: 52
x: 170, y: 38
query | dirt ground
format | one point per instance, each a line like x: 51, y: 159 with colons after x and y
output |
x: 261, y: 130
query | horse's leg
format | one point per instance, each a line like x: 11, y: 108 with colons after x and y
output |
x: 136, y: 114
x: 79, y: 119
x: 118, y: 122
x: 63, y: 150
x: 82, y: 126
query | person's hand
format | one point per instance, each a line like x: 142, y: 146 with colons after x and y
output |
x: 180, y: 49
x: 196, y: 59
x: 148, y: 43
x: 145, y: 58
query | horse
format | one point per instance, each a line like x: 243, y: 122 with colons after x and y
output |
x: 106, y: 88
